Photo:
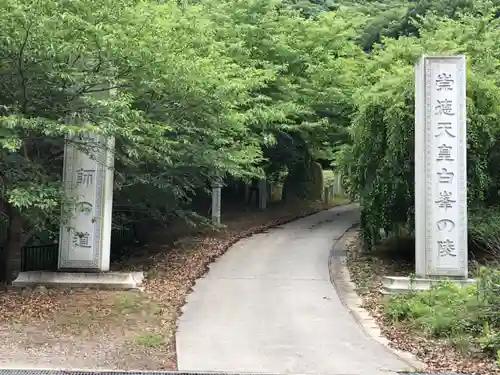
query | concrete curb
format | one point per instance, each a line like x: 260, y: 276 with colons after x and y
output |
x: 101, y: 280
x: 346, y: 289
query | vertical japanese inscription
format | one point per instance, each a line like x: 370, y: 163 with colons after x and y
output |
x: 445, y: 139
x: 445, y: 83
x: 82, y: 174
x: 84, y: 181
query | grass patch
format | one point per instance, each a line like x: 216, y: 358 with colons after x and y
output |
x: 128, y: 303
x: 97, y: 311
x: 151, y: 340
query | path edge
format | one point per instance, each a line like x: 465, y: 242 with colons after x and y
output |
x: 346, y: 290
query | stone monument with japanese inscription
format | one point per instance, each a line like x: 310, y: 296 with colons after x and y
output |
x: 85, y: 234
x: 440, y: 175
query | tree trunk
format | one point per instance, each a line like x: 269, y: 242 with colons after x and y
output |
x: 15, y: 243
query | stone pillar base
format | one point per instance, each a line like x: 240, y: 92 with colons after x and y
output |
x: 104, y: 280
x: 392, y: 285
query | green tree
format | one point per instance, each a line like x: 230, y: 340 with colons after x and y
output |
x: 379, y: 163
x: 176, y: 115
x: 308, y: 102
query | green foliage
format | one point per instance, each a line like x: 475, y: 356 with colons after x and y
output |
x: 304, y: 181
x: 180, y: 110
x: 378, y: 165
x: 457, y: 313
x: 439, y: 311
x: 199, y: 90
x: 310, y: 8
x: 484, y: 230
x: 298, y: 182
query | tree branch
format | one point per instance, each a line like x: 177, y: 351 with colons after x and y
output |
x: 97, y: 67
x: 88, y: 90
x: 20, y: 61
x: 74, y: 61
x: 27, y: 236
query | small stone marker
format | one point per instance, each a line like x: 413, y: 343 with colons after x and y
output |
x: 85, y: 234
x: 328, y: 194
x: 440, y: 174
x: 216, y: 202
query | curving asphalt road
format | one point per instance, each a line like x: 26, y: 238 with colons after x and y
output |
x: 267, y: 305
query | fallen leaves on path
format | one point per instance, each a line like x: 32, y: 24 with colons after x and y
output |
x: 366, y: 271
x: 123, y: 330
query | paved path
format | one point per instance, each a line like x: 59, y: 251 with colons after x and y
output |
x: 267, y: 305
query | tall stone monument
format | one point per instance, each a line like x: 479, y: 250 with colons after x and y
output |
x: 440, y: 174
x: 85, y: 234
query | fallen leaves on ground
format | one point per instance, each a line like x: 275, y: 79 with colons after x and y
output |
x: 123, y: 330
x: 366, y: 271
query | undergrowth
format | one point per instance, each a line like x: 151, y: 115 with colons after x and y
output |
x: 468, y: 316
x: 484, y: 231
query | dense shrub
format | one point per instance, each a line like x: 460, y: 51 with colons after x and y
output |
x: 484, y: 231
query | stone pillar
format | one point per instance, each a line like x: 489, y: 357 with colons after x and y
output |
x: 440, y: 167
x: 85, y: 233
x: 338, y: 185
x: 440, y: 174
x: 328, y: 194
x: 262, y: 194
x: 216, y: 202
